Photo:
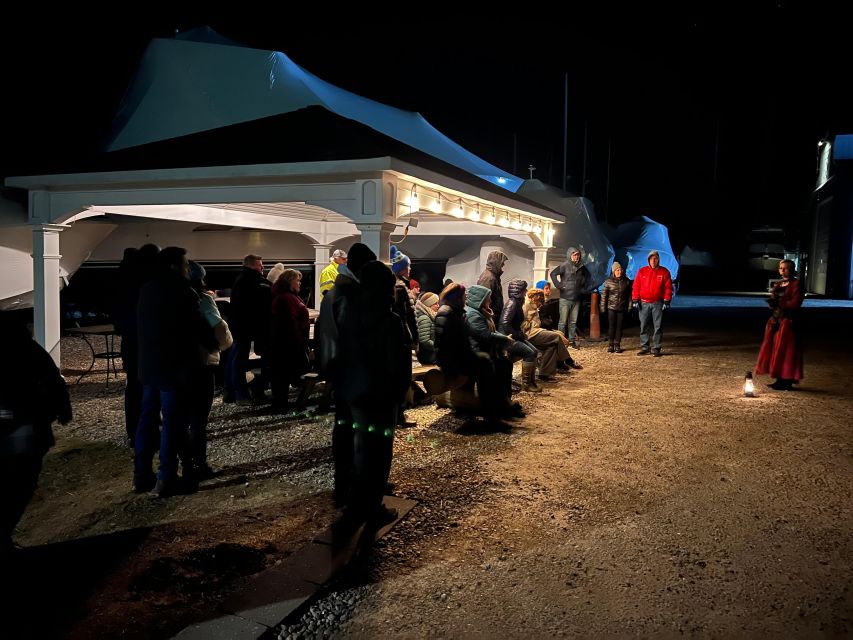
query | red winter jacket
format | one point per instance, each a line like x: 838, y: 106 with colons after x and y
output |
x: 652, y: 285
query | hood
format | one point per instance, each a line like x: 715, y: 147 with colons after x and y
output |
x: 516, y: 288
x: 495, y: 262
x: 570, y: 251
x: 476, y: 296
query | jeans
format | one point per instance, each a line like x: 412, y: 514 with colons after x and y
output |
x: 651, y: 313
x: 569, y: 316
x: 173, y: 402
x: 522, y: 350
x: 235, y: 369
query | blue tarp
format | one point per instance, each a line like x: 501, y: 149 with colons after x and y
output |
x: 633, y: 240
x: 200, y: 81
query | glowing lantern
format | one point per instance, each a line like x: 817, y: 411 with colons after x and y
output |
x: 748, y: 385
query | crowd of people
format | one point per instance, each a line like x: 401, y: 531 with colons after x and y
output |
x: 373, y: 318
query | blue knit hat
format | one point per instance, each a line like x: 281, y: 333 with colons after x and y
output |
x: 541, y: 284
x: 399, y: 260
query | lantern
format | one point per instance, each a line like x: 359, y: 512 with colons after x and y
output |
x: 748, y: 385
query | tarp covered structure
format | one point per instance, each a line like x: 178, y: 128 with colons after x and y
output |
x: 200, y: 81
x: 633, y: 240
x: 580, y: 230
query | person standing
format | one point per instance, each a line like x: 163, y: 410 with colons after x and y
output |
x: 330, y: 273
x: 491, y: 279
x: 781, y: 352
x: 289, y: 337
x: 333, y: 362
x: 251, y: 305
x: 651, y: 296
x: 572, y: 279
x: 616, y: 300
x: 32, y: 396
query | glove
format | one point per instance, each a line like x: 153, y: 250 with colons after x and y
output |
x: 635, y: 305
x: 666, y: 305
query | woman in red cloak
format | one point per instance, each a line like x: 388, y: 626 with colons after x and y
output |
x: 781, y: 353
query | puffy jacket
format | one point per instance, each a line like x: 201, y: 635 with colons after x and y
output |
x: 221, y: 332
x: 251, y: 303
x: 332, y: 309
x: 491, y: 279
x: 513, y: 313
x: 652, y: 285
x: 426, y: 333
x: 453, y: 351
x: 403, y: 307
x: 481, y: 328
x: 616, y: 294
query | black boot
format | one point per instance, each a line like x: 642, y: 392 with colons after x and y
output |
x: 611, y: 348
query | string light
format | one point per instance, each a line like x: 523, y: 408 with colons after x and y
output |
x: 414, y: 203
x: 435, y: 207
x: 459, y: 212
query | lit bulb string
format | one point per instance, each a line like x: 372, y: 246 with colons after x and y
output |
x: 460, y: 203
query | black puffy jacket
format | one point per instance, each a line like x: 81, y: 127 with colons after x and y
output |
x: 616, y: 294
x: 513, y: 312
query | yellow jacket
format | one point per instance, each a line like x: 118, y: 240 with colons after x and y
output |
x: 327, y: 277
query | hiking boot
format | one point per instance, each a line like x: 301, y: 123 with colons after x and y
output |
x: 656, y: 353
x: 611, y: 348
x: 618, y: 348
x: 644, y: 352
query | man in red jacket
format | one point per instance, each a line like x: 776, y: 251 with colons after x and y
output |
x: 652, y: 295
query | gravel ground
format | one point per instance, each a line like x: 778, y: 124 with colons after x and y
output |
x: 639, y: 497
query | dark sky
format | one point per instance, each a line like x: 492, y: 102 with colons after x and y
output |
x: 710, y: 116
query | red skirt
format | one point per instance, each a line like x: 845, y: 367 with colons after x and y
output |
x: 781, y: 354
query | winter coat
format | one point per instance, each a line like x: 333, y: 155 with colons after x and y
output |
x: 376, y: 351
x: 221, y: 332
x: 652, y: 285
x: 513, y: 313
x: 332, y: 309
x: 171, y: 331
x: 426, y: 333
x: 481, y: 326
x: 572, y: 280
x: 616, y: 294
x: 532, y: 321
x: 31, y: 390
x: 491, y: 279
x: 289, y: 331
x: 403, y: 307
x: 251, y: 300
x: 549, y: 315
x: 453, y: 352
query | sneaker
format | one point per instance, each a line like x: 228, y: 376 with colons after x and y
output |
x: 656, y: 353
x: 644, y: 352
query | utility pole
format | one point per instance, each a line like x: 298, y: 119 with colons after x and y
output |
x: 565, y: 127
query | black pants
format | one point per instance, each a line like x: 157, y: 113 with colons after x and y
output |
x: 373, y: 449
x: 615, y: 319
x: 132, y: 396
x: 19, y: 472
x: 342, y: 446
x: 201, y: 399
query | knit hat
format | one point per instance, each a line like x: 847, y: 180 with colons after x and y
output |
x: 399, y: 260
x: 540, y: 285
x: 339, y: 253
x: 615, y: 266
x: 428, y: 298
x: 197, y: 272
x: 414, y: 284
x: 275, y: 272
x: 359, y: 255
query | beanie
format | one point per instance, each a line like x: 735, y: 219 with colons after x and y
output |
x: 399, y: 260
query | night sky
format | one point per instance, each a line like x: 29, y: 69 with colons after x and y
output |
x: 710, y: 116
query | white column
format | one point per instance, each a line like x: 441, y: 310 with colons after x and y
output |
x: 321, y: 261
x: 540, y: 263
x: 46, y: 312
x: 377, y: 236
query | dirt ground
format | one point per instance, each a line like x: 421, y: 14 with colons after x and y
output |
x: 640, y: 497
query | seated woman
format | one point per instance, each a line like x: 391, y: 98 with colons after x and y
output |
x: 425, y: 310
x: 552, y: 344
x: 289, y: 337
x: 456, y: 355
x: 510, y: 324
